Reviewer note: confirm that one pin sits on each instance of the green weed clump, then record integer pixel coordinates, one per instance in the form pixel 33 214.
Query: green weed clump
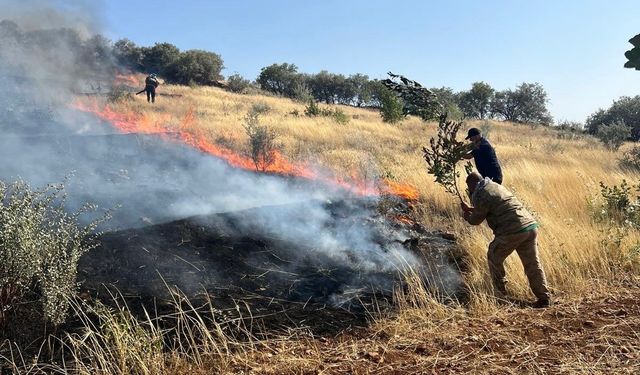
pixel 40 245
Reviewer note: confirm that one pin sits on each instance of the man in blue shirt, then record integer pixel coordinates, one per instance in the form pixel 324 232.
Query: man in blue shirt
pixel 484 156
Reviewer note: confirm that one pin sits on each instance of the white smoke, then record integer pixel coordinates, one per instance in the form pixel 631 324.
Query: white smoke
pixel 43 65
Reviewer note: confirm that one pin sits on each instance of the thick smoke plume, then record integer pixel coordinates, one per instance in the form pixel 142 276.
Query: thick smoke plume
pixel 49 56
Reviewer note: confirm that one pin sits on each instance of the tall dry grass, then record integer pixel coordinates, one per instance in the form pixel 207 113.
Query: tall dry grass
pixel 556 178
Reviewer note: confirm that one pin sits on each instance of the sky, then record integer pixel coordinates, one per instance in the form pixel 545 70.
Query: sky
pixel 574 48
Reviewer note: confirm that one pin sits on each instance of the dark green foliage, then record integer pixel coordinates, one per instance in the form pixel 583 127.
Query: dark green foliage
pixel 633 55
pixel 195 66
pixel 476 103
pixel 444 153
pixel 526 104
pixel 626 110
pixel 362 89
pixel 236 83
pixel 613 135
pixel 416 100
pixel 280 79
pixel 128 54
pixel 313 110
pixel 159 58
pixel 631 160
pixel 326 86
pixel 391 108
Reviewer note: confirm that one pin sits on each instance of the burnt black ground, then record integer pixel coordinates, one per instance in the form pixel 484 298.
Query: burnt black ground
pixel 281 282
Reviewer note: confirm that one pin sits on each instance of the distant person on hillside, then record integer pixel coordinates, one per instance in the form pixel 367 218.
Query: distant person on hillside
pixel 514 228
pixel 150 84
pixel 484 155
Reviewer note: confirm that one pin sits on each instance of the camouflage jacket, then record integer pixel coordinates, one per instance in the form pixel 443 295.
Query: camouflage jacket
pixel 503 211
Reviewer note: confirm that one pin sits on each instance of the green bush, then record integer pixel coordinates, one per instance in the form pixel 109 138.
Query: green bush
pixel 630 160
pixel 262 141
pixel 238 84
pixel 312 109
pixel 391 108
pixel 40 245
pixel 613 135
pixel 618 205
pixel 340 117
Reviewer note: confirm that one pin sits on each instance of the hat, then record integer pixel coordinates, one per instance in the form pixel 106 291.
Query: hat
pixel 473 132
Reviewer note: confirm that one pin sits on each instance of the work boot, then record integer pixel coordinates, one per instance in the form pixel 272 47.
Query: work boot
pixel 542 304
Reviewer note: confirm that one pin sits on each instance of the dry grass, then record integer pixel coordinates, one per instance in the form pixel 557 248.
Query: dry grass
pixel 556 178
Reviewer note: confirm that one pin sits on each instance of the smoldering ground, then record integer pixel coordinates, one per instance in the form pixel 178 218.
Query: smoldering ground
pixel 149 180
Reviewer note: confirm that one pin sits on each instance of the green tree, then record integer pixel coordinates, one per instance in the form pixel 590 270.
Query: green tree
pixel 237 83
pixel 625 110
pixel 128 54
pixel 476 103
pixel 633 55
pixel 448 99
pixel 159 58
pixel 416 99
pixel 362 89
pixel 613 135
pixel 526 104
pixel 195 66
pixel 280 79
pixel 391 108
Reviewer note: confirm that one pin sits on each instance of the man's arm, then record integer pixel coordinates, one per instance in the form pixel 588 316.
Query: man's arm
pixel 473 215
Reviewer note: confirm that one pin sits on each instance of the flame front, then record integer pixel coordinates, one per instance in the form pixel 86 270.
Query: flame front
pixel 132 122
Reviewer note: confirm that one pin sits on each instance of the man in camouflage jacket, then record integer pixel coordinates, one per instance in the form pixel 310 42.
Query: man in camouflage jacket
pixel 514 228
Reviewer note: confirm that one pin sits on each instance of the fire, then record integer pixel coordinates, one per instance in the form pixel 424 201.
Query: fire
pixel 187 133
pixel 126 79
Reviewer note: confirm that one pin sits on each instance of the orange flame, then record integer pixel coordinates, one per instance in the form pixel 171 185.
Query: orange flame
pixel 132 122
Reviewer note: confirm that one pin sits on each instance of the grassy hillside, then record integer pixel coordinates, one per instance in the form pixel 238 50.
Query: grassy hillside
pixel 557 178
pixel 594 326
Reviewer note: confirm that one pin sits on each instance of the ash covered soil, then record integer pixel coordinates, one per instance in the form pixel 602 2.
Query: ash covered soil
pixel 246 267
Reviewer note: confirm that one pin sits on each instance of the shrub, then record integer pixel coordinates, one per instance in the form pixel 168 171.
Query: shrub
pixel 340 117
pixel 262 141
pixel 260 108
pixel 312 109
pixel 630 160
pixel 391 108
pixel 40 245
pixel 301 92
pixel 618 205
pixel 614 135
pixel 236 83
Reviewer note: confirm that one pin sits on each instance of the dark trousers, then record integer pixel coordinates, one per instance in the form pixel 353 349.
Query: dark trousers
pixel 151 94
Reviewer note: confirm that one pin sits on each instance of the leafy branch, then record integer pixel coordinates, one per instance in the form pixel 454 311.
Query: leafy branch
pixel 444 153
pixel 418 101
